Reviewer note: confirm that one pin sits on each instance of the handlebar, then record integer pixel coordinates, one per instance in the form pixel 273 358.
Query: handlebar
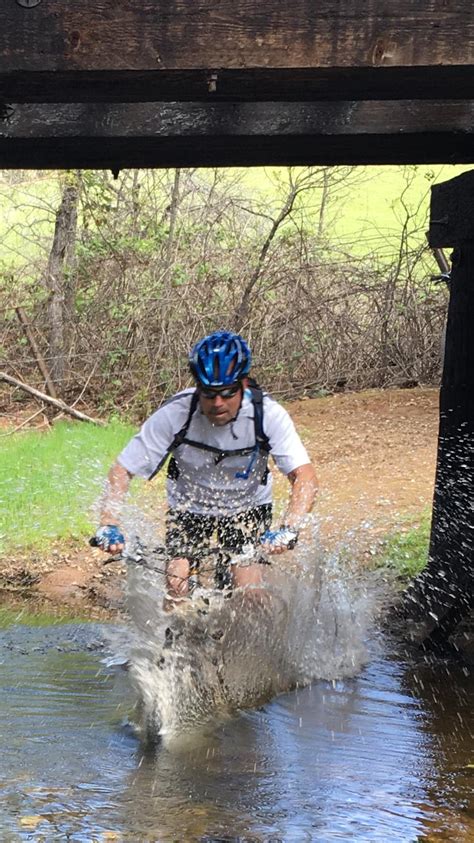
pixel 138 551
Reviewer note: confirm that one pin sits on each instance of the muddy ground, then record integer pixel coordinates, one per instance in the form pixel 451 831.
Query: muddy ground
pixel 375 456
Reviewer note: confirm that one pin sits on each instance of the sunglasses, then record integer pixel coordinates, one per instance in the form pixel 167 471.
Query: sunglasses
pixel 227 392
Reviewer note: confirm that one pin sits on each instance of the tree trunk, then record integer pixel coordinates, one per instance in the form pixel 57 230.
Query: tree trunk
pixel 60 278
pixel 170 247
pixel 323 205
pixel 166 310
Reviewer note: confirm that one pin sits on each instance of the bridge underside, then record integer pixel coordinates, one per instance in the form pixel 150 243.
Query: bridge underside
pixel 161 83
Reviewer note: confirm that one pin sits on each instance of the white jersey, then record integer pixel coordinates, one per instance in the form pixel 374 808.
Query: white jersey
pixel 205 485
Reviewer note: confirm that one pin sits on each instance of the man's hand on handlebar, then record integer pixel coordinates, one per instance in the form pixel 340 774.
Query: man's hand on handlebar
pixel 279 541
pixel 109 538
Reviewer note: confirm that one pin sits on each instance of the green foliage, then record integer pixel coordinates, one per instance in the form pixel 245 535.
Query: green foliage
pixel 180 275
pixel 92 247
pixel 50 480
pixel 407 552
pixel 142 404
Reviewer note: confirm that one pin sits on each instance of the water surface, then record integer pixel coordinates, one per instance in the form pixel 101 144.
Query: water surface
pixel 387 755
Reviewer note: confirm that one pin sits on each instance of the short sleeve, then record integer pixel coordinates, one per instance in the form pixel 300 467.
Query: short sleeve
pixel 287 448
pixel 150 445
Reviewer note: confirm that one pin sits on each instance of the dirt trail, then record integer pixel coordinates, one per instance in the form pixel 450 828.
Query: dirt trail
pixel 375 455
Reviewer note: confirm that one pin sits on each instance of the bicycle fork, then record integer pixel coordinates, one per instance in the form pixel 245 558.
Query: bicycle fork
pixel 193 576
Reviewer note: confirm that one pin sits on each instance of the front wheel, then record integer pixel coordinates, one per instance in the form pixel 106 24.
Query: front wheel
pixel 223 575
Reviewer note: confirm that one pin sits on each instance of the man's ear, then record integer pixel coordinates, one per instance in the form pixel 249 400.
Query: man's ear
pixel 245 383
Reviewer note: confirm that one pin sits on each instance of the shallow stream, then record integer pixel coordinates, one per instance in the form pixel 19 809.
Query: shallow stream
pixel 387 755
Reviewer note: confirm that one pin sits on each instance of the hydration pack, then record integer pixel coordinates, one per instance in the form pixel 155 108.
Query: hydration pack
pixel 262 442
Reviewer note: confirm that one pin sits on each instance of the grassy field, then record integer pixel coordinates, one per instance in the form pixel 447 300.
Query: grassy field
pixel 51 480
pixel 365 217
pixel 28 203
pixel 21 615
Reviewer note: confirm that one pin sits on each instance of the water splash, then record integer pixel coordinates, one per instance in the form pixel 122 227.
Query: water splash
pixel 212 657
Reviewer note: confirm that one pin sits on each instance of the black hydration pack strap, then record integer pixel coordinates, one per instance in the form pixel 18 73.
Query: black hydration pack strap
pixel 261 437
pixel 179 437
pixel 262 442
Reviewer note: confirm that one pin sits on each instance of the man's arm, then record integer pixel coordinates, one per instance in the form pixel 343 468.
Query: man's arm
pixel 304 487
pixel 288 451
pixel 118 482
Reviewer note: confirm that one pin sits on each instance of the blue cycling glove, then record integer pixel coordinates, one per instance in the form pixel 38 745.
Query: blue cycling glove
pixel 107 535
pixel 285 537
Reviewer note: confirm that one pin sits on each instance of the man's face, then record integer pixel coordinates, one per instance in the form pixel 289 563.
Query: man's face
pixel 220 406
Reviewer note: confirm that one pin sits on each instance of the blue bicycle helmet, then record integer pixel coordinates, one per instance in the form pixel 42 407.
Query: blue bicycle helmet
pixel 220 359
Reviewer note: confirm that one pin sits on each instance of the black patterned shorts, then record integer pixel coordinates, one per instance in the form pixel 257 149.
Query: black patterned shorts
pixel 188 530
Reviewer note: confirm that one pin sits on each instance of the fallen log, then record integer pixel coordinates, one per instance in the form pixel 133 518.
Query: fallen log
pixel 48 399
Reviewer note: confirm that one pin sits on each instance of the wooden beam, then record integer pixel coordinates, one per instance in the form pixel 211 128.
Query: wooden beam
pixel 443 594
pixel 242 85
pixel 452 212
pixel 210 34
pixel 220 50
pixel 116 136
pixel 152 120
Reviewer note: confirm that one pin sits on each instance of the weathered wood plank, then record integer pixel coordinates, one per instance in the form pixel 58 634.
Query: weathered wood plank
pixel 121 153
pixel 249 85
pixel 189 34
pixel 197 134
pixel 153 120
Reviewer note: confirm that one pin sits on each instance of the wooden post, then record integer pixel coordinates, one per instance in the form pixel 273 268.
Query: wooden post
pixel 442 595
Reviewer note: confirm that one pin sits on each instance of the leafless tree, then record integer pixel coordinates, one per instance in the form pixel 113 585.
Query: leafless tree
pixel 137 268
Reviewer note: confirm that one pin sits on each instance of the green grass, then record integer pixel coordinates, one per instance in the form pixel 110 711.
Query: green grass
pixel 28 202
pixel 366 217
pixel 49 481
pixel 11 616
pixel 407 552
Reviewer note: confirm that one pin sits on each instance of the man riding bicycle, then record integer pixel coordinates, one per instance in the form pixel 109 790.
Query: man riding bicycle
pixel 218 436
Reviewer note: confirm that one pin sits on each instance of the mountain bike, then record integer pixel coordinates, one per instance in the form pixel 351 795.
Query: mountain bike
pixel 210 568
